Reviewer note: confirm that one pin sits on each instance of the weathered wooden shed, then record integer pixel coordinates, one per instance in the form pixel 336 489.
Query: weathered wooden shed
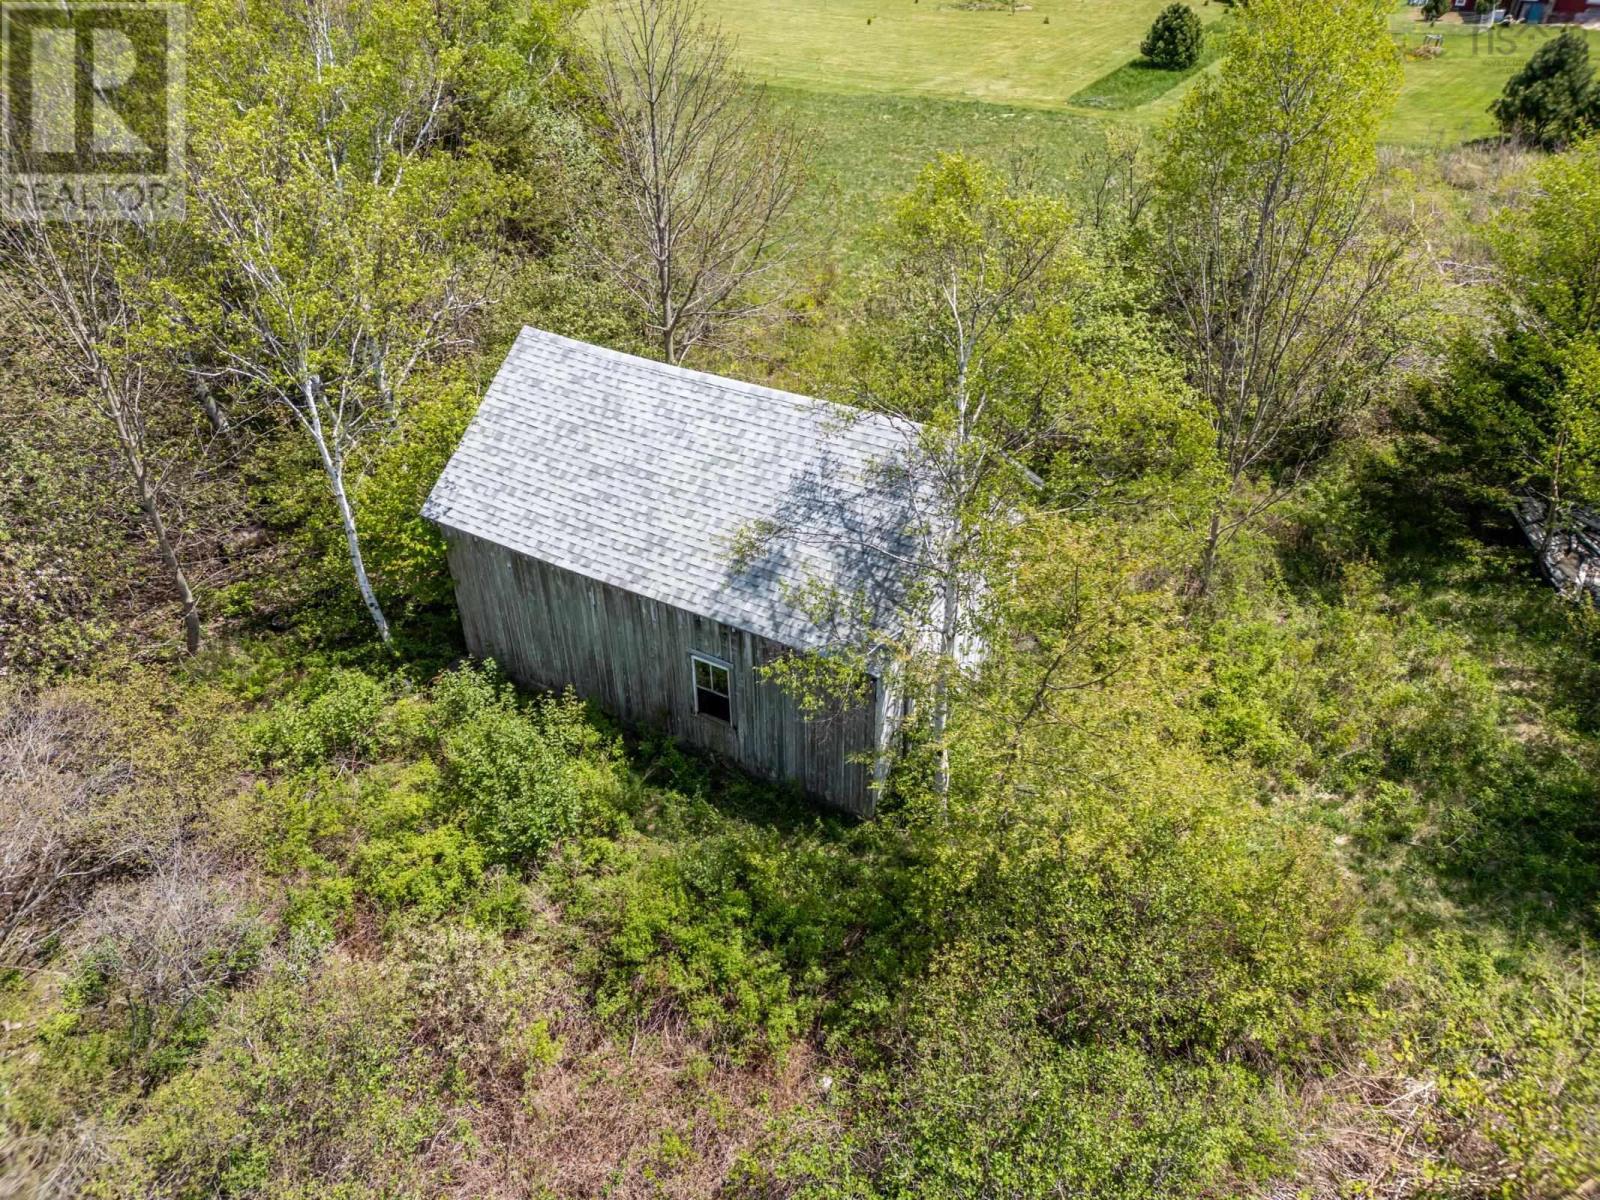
pixel 592 512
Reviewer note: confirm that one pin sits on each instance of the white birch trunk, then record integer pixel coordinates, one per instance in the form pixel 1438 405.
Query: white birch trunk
pixel 333 467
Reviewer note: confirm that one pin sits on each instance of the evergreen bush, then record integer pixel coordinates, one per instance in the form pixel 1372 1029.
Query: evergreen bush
pixel 1173 43
pixel 1553 97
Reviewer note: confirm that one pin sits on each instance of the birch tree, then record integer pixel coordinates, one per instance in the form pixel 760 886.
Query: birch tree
pixel 347 248
pixel 962 349
pixel 703 177
pixel 978 274
pixel 1029 400
pixel 78 288
pixel 1273 265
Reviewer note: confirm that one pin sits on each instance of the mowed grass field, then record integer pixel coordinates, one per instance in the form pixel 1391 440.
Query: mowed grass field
pixel 884 85
pixel 1444 101
pixel 1038 56
pixel 867 148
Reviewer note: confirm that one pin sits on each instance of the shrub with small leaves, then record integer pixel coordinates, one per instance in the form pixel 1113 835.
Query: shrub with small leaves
pixel 524 774
pixel 1173 42
pixel 427 874
pixel 675 933
pixel 343 717
pixel 309 1087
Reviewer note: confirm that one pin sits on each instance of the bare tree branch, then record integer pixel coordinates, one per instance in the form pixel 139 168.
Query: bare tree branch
pixel 703 179
pixel 75 285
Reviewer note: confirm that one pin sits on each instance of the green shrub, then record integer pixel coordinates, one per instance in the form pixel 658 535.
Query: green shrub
pixel 425 873
pixel 523 774
pixel 318 906
pixel 341 717
pixel 292 825
pixel 1174 40
pixel 749 925
pixel 1170 913
pixel 1335 695
pixel 1393 718
pixel 396 797
pixel 311 1089
pixel 985 1106
pixel 1390 813
pixel 664 941
pixel 500 903
pixel 1502 1034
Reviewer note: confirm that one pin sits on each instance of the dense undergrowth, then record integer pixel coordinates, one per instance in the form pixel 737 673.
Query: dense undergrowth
pixel 1310 892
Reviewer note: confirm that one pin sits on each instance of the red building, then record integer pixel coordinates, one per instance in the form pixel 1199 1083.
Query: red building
pixel 1572 10
pixel 1538 11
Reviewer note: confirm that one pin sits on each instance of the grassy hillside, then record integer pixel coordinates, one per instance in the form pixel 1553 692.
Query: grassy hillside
pixel 866 149
pixel 1032 90
pixel 1038 56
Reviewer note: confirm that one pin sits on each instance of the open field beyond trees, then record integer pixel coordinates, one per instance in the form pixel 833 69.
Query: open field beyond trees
pixel 882 82
pixel 1039 55
pixel 1445 100
pixel 1058 54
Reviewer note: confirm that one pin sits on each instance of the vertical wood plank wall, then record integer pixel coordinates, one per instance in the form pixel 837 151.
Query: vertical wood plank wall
pixel 548 628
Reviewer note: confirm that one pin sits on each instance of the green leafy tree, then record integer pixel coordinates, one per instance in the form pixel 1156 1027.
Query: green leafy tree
pixel 1549 251
pixel 1267 249
pixel 1023 393
pixel 961 338
pixel 1553 97
pixel 1434 9
pixel 1174 40
pixel 1549 367
pixel 1515 416
pixel 347 213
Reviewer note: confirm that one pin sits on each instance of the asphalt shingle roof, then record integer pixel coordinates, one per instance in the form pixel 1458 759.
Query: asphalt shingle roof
pixel 642 475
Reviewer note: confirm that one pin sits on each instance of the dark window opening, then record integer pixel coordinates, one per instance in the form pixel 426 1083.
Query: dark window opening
pixel 711 691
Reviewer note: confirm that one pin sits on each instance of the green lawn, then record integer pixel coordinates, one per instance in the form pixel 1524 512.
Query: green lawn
pixel 1033 88
pixel 1445 100
pixel 1038 56
pixel 1075 55
pixel 1137 83
pixel 868 148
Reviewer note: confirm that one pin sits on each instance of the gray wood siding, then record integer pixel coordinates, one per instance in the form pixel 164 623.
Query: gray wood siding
pixel 548 628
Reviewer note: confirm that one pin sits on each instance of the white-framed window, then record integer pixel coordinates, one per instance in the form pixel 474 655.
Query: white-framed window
pixel 713 692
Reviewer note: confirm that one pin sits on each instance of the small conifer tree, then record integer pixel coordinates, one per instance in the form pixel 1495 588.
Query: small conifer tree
pixel 1553 97
pixel 1173 42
